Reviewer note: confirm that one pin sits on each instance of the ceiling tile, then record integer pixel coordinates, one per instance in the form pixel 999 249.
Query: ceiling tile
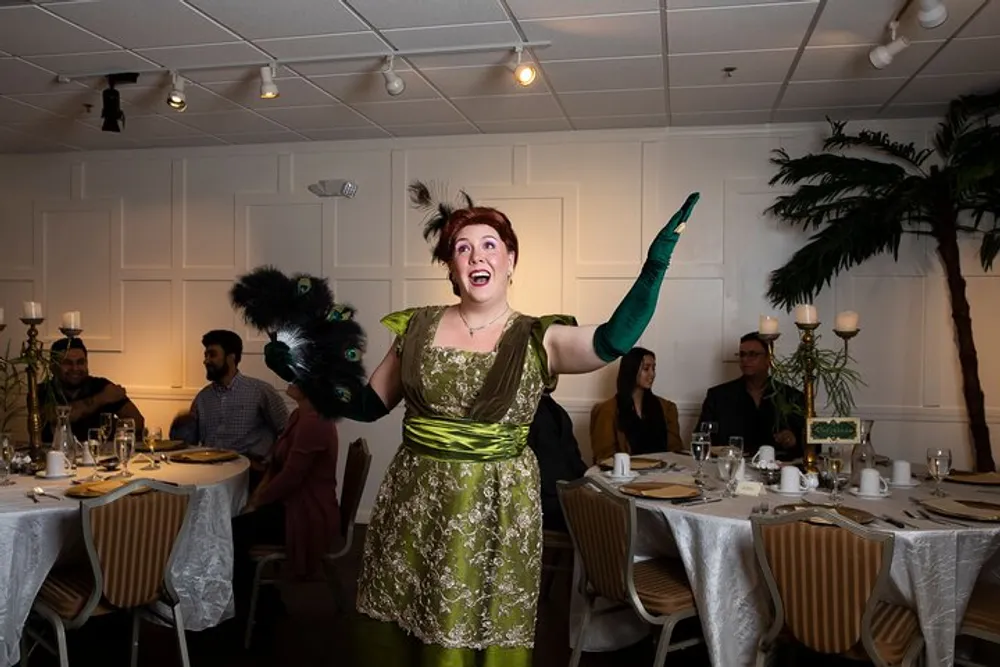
pixel 851 62
pixel 262 19
pixel 501 107
pixel 704 4
pixel 85 63
pixel 315 118
pixel 357 66
pixel 706 69
pixel 820 114
pixel 452 36
pixel 370 87
pixel 738 28
pixel 153 99
pixel 524 125
pixel 431 129
pixel 533 9
pixel 943 89
pixel 181 142
pixel 31 31
pixel 147 127
pixel 719 118
pixel 346 133
pixel 617 122
pixel 986 23
pixel 480 81
pixel 179 57
pixel 141 24
pixel 16 142
pixel 410 112
pixel 596 37
pixel 263 138
pixel 614 103
pixel 233 122
pixel 863 22
pixel 323 46
pixel 385 14
pixel 12 111
pixel 866 92
pixel 79 135
pixel 292 93
pixel 751 96
pixel 914 111
pixel 605 74
pixel 965 56
pixel 17 76
pixel 69 103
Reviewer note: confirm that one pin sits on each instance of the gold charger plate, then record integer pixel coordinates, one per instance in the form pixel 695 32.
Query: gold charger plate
pixel 98 489
pixel 161 446
pixel 976 510
pixel 637 463
pixel 977 478
pixel 205 456
pixel 660 490
pixel 854 514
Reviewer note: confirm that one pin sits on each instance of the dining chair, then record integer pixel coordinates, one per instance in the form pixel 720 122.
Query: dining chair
pixel 603 529
pixel 359 460
pixel 131 536
pixel 982 618
pixel 828 579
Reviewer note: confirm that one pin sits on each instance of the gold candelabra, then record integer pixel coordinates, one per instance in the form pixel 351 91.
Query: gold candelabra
pixel 32 353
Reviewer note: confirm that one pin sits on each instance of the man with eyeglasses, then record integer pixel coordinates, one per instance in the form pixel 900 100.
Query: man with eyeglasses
pixel 749 405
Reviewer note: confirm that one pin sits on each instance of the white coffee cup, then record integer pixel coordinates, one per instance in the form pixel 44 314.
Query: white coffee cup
pixel 793 481
pixel 623 465
pixel 901 474
pixel 872 483
pixel 764 455
pixel 56 464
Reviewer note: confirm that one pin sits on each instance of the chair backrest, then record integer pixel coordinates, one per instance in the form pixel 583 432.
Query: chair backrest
pixel 359 460
pixel 823 578
pixel 130 536
pixel 601 525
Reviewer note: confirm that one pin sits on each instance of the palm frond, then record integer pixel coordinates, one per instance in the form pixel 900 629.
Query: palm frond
pixel 962 112
pixel 850 173
pixel 989 248
pixel 877 141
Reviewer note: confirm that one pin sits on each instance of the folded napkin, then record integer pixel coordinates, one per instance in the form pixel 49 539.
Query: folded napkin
pixel 745 488
pixel 957 507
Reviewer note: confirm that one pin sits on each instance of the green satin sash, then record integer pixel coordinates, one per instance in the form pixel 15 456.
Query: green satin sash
pixel 462 439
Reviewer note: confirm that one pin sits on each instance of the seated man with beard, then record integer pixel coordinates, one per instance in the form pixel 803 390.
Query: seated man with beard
pixel 235 411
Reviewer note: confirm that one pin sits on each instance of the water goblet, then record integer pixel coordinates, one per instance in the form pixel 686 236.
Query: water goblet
pixel 93 445
pixel 833 464
pixel 701 447
pixel 6 459
pixel 729 461
pixel 737 442
pixel 711 428
pixel 124 443
pixel 938 465
pixel 153 436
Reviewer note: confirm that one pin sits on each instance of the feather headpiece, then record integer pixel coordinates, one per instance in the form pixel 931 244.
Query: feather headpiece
pixel 315 342
pixel 432 200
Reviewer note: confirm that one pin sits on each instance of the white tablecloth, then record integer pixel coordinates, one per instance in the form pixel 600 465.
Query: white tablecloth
pixel 933 571
pixel 32 536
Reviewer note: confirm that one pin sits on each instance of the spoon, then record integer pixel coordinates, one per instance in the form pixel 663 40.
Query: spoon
pixel 39 491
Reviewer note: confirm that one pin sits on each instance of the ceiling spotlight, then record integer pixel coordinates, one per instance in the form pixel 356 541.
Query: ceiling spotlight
pixel 932 13
pixel 268 88
pixel 524 73
pixel 394 85
pixel 176 99
pixel 882 55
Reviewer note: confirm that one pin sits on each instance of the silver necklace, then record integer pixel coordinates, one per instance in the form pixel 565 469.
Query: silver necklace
pixel 472 329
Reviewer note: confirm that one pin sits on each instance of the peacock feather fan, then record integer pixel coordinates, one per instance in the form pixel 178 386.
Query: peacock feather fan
pixel 433 200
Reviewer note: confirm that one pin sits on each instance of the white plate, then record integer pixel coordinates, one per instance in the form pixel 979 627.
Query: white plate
pixel 621 478
pixel 44 475
pixel 912 485
pixel 854 491
pixel 791 494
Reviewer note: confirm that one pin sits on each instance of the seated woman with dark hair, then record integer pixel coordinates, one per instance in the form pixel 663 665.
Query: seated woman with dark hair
pixel 635 420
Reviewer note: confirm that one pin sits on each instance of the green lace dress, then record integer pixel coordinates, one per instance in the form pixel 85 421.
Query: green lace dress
pixel 452 558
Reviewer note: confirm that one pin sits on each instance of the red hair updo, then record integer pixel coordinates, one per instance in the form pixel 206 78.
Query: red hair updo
pixel 474 215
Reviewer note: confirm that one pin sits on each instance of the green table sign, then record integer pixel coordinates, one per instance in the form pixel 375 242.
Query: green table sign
pixel 836 430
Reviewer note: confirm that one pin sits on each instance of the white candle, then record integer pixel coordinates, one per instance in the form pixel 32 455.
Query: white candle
pixel 806 314
pixel 71 320
pixel 847 321
pixel 768 325
pixel 1 316
pixel 32 310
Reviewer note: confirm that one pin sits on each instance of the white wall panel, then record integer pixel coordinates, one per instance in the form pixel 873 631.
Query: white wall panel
pixel 206 307
pixel 144 360
pixel 287 236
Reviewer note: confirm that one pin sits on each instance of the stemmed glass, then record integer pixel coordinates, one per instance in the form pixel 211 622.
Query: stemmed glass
pixel 737 442
pixel 124 443
pixel 938 465
pixel 6 459
pixel 833 463
pixel 153 436
pixel 711 428
pixel 729 461
pixel 93 445
pixel 701 447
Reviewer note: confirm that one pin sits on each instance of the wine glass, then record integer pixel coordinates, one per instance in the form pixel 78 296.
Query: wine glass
pixel 833 464
pixel 711 428
pixel 107 426
pixel 93 445
pixel 938 465
pixel 153 436
pixel 6 459
pixel 737 442
pixel 701 447
pixel 124 443
pixel 729 461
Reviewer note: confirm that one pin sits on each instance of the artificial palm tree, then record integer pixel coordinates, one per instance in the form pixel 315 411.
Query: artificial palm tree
pixel 862 206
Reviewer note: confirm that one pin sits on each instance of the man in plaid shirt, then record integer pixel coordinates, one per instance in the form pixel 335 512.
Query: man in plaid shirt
pixel 235 411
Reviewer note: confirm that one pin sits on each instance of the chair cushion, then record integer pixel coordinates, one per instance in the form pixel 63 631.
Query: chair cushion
pixel 894 629
pixel 662 585
pixel 983 612
pixel 66 592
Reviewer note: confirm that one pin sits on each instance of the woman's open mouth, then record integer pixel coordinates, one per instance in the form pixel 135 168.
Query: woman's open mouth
pixel 479 278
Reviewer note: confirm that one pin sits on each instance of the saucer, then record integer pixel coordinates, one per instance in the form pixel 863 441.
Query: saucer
pixel 44 475
pixel 620 478
pixel 912 485
pixel 854 491
pixel 798 493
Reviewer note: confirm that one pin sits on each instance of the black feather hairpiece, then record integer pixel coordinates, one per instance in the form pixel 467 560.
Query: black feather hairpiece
pixel 433 200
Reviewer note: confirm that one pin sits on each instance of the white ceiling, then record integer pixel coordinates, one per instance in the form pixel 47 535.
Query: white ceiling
pixel 611 64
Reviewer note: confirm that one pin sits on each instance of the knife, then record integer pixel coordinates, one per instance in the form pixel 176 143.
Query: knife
pixel 888 519
pixel 689 503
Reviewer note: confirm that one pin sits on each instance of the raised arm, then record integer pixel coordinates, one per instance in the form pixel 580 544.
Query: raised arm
pixel 585 349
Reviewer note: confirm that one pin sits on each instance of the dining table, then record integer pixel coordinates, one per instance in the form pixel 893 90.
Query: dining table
pixel 937 559
pixel 38 530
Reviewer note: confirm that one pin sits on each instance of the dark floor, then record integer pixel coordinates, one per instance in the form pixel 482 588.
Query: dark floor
pixel 312 632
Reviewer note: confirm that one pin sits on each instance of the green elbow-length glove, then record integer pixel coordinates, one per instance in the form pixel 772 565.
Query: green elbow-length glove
pixel 619 334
